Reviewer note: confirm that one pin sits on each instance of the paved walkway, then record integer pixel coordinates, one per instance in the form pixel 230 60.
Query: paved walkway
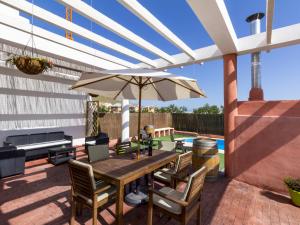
pixel 41 196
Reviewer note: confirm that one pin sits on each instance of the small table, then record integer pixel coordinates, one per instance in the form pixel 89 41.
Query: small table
pixel 61 154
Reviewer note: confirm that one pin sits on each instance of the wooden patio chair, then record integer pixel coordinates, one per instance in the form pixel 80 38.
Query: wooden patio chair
pixel 169 176
pixel 178 143
pixel 167 146
pixel 86 192
pixel 97 152
pixel 125 147
pixel 180 206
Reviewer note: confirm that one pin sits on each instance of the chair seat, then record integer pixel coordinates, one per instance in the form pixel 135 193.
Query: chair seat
pixel 164 174
pixel 161 176
pixel 108 190
pixel 167 204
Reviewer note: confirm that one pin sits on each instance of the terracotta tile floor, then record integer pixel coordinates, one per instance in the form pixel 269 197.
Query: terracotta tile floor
pixel 41 196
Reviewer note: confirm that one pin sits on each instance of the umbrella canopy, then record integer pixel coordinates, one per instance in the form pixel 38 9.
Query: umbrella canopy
pixel 125 84
pixel 138 84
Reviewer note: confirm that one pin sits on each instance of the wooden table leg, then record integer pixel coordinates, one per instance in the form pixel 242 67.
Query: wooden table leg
pixel 119 204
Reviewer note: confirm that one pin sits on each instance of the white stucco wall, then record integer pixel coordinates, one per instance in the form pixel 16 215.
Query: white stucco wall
pixel 32 105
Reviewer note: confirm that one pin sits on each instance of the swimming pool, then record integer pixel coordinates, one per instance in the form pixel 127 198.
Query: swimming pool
pixel 220 142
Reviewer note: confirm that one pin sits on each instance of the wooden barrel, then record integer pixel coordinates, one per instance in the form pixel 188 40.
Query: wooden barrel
pixel 205 153
pixel 204 147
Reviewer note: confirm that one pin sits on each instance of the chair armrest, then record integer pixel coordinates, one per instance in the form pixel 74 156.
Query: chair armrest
pixel 68 137
pixel 177 178
pixel 6 154
pixel 167 172
pixel 101 189
pixel 168 197
pixel 5 144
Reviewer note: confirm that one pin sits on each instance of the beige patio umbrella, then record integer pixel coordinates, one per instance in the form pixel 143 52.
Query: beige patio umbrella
pixel 138 84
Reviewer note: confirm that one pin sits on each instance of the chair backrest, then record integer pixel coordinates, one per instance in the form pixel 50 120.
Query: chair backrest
pixel 183 161
pixel 97 152
pixel 82 178
pixel 195 185
pixel 124 147
pixel 144 135
pixel 167 145
pixel 172 137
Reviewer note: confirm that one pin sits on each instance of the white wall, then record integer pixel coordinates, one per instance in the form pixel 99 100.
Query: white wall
pixel 30 104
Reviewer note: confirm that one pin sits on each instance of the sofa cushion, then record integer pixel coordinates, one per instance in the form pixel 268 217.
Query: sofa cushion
pixel 44 144
pixel 7 148
pixel 37 138
pixel 54 136
pixel 18 139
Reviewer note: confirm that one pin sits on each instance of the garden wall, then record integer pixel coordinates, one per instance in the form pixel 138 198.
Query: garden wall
pixel 267 140
pixel 206 124
pixel 199 123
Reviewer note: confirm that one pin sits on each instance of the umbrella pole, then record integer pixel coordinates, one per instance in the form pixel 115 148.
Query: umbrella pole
pixel 139 121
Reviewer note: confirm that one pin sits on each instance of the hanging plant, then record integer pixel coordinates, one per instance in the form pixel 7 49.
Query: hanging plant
pixel 30 65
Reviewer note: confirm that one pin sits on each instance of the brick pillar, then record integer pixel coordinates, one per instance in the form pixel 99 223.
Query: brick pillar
pixel 230 108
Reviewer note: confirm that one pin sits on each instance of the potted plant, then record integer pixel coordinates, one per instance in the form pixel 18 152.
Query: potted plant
pixel 294 189
pixel 30 65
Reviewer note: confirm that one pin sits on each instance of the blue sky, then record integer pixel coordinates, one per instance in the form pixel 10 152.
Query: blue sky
pixel 280 67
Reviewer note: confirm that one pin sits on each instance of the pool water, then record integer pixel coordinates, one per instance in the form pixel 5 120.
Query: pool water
pixel 220 142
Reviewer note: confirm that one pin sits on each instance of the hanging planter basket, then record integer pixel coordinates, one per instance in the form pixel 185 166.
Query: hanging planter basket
pixel 30 65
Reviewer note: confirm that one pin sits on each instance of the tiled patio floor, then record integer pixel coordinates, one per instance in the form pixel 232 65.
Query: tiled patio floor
pixel 41 196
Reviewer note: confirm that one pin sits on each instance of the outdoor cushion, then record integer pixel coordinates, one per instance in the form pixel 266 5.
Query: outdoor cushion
pixel 43 145
pixel 167 146
pixel 90 142
pixel 18 139
pixel 102 195
pixel 53 136
pixel 37 138
pixel 8 148
pixel 167 204
pixel 160 175
pixel 97 152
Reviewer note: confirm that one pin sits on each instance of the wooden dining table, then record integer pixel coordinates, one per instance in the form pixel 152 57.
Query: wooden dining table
pixel 122 169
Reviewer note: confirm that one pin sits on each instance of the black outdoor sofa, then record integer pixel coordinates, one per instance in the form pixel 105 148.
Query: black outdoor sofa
pixel 12 161
pixel 37 145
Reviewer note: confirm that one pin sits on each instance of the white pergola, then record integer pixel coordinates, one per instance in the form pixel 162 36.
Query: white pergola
pixel 212 14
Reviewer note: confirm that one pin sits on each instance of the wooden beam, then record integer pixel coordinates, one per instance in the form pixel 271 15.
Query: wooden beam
pixel 145 15
pixel 18 38
pixel 49 17
pixel 215 19
pixel 94 15
pixel 281 37
pixel 269 20
pixel 99 56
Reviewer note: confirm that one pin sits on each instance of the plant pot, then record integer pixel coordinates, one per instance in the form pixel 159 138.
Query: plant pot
pixel 295 196
pixel 29 65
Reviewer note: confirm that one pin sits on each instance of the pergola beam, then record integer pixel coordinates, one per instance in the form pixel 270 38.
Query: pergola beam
pixel 281 37
pixel 49 17
pixel 47 35
pixel 145 15
pixel 269 22
pixel 19 38
pixel 215 19
pixel 104 21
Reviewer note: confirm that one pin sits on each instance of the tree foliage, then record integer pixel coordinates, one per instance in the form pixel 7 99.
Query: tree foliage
pixel 103 109
pixel 209 109
pixel 172 109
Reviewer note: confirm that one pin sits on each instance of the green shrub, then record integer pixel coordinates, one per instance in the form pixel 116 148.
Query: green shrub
pixel 292 183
